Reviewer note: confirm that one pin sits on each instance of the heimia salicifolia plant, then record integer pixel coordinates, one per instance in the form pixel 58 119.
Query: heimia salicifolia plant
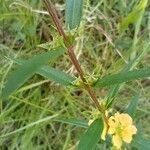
pixel 103 125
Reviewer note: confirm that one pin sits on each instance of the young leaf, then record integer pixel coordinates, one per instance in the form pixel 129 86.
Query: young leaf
pixel 91 137
pixel 131 109
pixel 122 77
pixel 27 70
pixel 56 75
pixel 73 13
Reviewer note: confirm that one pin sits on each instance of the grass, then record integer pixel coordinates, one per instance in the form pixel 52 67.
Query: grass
pixel 32 118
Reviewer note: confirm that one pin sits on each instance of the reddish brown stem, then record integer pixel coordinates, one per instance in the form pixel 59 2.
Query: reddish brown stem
pixel 75 62
pixel 55 18
pixel 72 56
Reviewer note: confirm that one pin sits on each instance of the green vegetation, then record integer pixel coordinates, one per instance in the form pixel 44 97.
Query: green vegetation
pixel 46 99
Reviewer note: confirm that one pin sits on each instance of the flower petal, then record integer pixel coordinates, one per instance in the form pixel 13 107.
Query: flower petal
pixel 127 138
pixel 112 125
pixel 125 119
pixel 122 129
pixel 128 132
pixel 133 129
pixel 117 142
pixel 104 132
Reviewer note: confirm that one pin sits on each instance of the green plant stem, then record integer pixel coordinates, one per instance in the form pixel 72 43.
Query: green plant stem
pixel 73 58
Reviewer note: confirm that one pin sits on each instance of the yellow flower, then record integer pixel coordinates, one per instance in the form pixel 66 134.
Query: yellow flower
pixel 121 128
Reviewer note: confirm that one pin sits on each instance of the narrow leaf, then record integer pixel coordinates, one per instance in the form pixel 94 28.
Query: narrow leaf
pixel 51 73
pixel 131 109
pixel 122 77
pixel 27 70
pixel 114 90
pixel 73 13
pixel 91 137
pixel 56 75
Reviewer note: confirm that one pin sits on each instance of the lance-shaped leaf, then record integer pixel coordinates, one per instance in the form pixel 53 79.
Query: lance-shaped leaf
pixel 73 13
pixel 56 75
pixel 122 77
pixel 91 137
pixel 27 70
pixel 114 89
pixel 51 73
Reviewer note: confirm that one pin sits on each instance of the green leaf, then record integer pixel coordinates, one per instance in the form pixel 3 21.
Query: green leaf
pixel 114 90
pixel 91 137
pixel 135 15
pixel 122 77
pixel 140 143
pixel 73 121
pixel 73 13
pixel 56 75
pixel 51 73
pixel 27 70
pixel 131 109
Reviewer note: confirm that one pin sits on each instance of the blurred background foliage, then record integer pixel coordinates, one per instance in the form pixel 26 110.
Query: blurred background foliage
pixel 101 49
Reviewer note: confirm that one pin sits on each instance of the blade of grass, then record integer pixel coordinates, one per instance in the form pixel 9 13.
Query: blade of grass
pixel 30 125
pixel 135 15
pixel 73 121
pixel 31 86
